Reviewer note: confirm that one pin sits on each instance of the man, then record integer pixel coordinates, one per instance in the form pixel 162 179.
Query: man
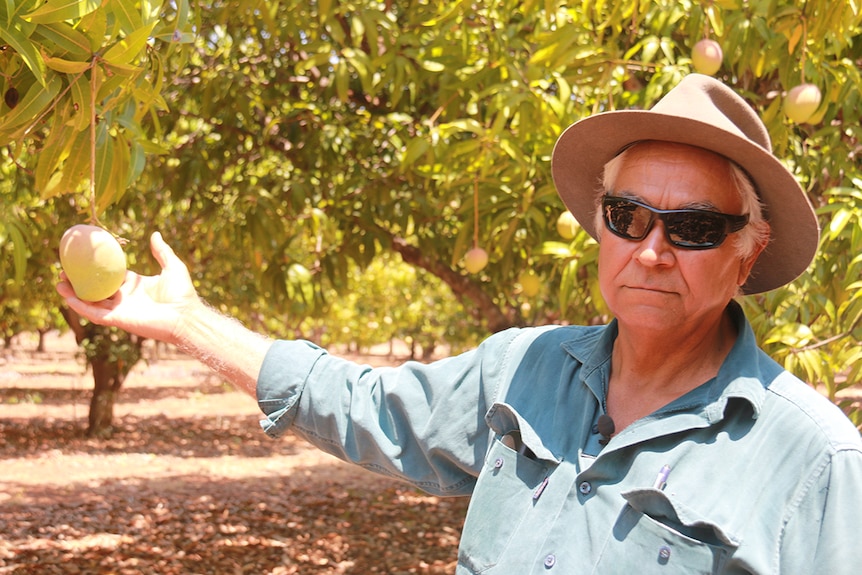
pixel 664 442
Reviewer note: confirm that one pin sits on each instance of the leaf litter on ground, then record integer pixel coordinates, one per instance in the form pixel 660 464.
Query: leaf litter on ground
pixel 188 484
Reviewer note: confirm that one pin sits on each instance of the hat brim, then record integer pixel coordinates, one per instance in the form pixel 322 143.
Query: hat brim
pixel 586 146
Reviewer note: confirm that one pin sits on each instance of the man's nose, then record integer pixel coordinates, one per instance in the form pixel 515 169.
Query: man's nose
pixel 655 249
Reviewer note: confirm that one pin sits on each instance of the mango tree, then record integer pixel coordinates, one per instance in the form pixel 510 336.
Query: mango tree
pixel 349 129
pixel 82 82
pixel 309 137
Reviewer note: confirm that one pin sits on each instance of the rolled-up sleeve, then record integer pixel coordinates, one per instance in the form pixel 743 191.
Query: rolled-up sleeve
pixel 282 378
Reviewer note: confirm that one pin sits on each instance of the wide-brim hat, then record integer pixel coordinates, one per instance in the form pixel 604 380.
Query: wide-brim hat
pixel 700 111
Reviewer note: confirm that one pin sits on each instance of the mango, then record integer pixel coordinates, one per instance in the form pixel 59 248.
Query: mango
pixel 475 260
pixel 567 225
pixel 93 261
pixel 530 283
pixel 801 102
pixel 706 57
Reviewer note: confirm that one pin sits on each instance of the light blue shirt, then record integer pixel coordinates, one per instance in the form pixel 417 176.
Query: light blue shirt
pixel 765 473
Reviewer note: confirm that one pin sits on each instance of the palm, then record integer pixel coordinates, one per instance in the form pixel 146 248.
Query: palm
pixel 149 306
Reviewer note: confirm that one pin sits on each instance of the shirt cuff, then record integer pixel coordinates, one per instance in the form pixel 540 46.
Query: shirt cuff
pixel 281 380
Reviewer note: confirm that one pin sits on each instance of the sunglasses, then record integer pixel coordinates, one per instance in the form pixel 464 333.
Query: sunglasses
pixel 690 229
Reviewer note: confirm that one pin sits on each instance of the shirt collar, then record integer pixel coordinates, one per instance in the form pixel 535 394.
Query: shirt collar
pixel 744 374
pixel 746 371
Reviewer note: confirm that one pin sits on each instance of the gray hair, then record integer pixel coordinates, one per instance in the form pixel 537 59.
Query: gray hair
pixel 756 233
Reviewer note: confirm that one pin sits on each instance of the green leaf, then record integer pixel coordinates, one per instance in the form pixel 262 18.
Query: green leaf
pixel 359 61
pixel 65 39
pixel 54 148
pixel 415 149
pixel 342 81
pixel 793 335
pixel 553 46
pixel 66 66
pixel 112 171
pixel 183 10
pixel 137 162
pixel 62 10
pixel 14 35
pixel 125 51
pixel 838 223
pixel 12 229
pixel 464 125
pixel 557 250
pixel 7 9
pixel 75 168
pixel 29 109
pixel 127 16
pixel 81 92
pixel 432 66
pixel 94 26
pixel 103 168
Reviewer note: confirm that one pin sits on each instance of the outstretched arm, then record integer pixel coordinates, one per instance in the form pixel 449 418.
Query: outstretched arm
pixel 167 308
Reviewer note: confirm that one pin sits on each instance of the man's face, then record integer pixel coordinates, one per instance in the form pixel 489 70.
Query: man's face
pixel 650 282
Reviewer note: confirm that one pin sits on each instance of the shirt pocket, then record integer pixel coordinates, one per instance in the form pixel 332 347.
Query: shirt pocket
pixel 654 531
pixel 513 477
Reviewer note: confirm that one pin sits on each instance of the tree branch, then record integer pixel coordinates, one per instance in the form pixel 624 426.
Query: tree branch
pixel 463 287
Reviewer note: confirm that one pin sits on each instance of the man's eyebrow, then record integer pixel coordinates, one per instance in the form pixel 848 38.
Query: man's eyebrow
pixel 627 194
pixel 696 205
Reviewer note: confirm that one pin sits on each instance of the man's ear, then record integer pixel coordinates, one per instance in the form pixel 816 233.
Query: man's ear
pixel 748 263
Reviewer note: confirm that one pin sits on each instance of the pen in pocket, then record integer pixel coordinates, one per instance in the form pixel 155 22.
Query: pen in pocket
pixel 661 479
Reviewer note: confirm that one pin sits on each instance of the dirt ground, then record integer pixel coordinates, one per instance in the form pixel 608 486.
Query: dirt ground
pixel 189 484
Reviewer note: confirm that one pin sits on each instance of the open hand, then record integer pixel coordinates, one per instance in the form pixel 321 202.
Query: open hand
pixel 148 306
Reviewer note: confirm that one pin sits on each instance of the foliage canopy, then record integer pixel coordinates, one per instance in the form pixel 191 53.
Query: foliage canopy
pixel 279 144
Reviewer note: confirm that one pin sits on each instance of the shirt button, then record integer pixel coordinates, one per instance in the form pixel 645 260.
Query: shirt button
pixel 585 488
pixel 498 463
pixel 663 554
pixel 550 560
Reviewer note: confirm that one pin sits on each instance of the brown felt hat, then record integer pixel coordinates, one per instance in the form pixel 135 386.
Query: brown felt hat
pixel 699 111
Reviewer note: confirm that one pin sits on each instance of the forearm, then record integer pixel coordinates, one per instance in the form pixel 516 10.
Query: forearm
pixel 224 345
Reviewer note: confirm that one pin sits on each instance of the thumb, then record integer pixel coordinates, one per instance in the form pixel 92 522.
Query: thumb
pixel 162 251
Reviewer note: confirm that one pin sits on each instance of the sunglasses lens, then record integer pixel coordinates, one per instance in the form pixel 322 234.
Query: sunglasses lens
pixel 695 230
pixel 691 229
pixel 627 220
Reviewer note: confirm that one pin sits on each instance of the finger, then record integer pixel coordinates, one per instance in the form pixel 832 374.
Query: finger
pixel 96 312
pixel 162 251
pixel 129 283
pixel 64 288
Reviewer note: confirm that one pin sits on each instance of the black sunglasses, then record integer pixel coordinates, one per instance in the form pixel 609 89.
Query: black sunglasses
pixel 690 229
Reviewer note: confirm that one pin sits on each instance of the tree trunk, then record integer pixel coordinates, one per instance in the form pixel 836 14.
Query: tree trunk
pixel 108 377
pixel 112 354
pixel 40 348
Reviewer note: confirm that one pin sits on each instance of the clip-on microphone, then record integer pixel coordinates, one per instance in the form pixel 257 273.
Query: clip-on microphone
pixel 606 428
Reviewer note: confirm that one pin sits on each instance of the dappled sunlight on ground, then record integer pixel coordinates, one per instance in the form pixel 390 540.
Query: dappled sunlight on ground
pixel 189 484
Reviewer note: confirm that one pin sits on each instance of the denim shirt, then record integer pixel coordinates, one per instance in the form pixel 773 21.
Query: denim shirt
pixel 765 474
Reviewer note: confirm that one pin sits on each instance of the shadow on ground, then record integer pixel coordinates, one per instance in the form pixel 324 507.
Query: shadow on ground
pixel 213 436
pixel 195 525
pixel 153 505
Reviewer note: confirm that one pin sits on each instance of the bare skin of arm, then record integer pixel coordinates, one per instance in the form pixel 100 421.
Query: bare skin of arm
pixel 167 308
